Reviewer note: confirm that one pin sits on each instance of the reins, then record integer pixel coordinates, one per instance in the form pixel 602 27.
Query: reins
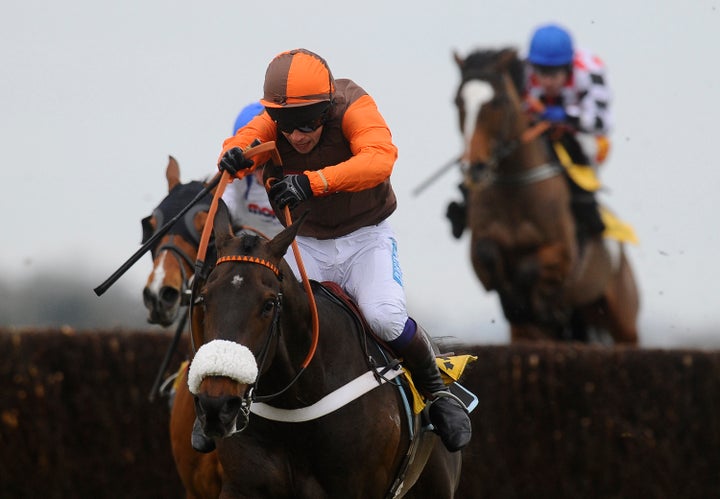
pixel 267 147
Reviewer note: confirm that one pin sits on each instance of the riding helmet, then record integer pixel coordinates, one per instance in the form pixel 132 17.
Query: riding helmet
pixel 551 45
pixel 246 114
pixel 297 78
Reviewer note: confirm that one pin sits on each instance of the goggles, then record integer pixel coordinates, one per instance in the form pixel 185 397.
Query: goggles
pixel 307 127
pixel 548 70
pixel 305 120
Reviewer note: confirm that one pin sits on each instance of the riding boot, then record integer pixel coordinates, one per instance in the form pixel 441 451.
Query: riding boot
pixel 200 441
pixel 448 414
pixel 586 212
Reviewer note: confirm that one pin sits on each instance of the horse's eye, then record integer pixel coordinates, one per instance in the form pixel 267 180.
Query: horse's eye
pixel 268 307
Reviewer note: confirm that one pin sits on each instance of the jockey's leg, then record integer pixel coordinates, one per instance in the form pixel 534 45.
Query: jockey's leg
pixel 448 414
pixel 374 280
pixel 586 212
pixel 584 205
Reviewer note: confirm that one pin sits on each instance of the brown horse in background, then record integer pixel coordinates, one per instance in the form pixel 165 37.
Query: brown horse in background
pixel 174 254
pixel 173 267
pixel 263 371
pixel 523 243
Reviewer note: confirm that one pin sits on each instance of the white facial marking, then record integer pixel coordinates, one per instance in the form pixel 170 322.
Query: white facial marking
pixel 474 94
pixel 237 281
pixel 158 275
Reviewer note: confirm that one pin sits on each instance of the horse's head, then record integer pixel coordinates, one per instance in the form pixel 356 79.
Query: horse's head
pixel 238 309
pixel 489 104
pixel 174 254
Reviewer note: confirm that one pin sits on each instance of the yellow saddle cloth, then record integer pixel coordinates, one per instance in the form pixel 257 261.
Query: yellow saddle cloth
pixel 451 368
pixel 585 177
pixel 616 228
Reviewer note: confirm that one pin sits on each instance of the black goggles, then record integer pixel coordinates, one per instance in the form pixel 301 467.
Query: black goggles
pixel 549 70
pixel 307 127
pixel 305 120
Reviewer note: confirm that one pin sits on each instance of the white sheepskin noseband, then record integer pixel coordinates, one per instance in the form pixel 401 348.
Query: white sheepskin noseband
pixel 222 358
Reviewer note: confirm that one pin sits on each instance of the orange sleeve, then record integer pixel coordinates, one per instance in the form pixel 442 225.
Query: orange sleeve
pixel 261 127
pixel 374 154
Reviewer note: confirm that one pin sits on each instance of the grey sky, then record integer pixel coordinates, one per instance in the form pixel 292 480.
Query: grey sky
pixel 95 95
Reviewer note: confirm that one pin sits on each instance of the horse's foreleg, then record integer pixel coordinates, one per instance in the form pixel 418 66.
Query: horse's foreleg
pixel 487 262
pixel 623 303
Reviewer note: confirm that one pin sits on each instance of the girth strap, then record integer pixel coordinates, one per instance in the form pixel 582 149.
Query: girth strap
pixel 330 402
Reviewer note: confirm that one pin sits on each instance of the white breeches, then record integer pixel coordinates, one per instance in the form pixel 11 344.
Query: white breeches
pixel 365 264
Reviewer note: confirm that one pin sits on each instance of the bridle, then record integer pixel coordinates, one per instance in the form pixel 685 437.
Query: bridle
pixel 273 335
pixel 186 231
pixel 508 140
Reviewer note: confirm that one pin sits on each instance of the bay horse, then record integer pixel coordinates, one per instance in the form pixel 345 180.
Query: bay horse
pixel 168 282
pixel 174 254
pixel 267 375
pixel 523 235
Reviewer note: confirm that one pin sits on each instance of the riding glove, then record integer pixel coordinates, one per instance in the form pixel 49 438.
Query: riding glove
pixel 554 114
pixel 290 191
pixel 234 161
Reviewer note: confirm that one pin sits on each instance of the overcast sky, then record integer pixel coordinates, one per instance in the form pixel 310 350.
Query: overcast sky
pixel 95 95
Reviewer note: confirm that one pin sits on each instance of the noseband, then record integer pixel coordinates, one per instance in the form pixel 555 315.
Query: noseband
pixel 273 334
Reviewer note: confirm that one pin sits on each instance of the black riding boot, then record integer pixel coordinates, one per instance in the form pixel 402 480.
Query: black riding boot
pixel 200 441
pixel 447 413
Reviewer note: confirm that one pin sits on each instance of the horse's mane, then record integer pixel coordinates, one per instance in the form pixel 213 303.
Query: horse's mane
pixel 482 62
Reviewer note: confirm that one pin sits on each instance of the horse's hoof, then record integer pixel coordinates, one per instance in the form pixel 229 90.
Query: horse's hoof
pixel 201 442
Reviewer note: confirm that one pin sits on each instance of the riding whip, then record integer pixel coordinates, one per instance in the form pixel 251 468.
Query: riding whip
pixel 432 178
pixel 158 234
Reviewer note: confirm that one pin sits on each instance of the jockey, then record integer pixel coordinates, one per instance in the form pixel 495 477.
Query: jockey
pixel 567 87
pixel 337 155
pixel 246 199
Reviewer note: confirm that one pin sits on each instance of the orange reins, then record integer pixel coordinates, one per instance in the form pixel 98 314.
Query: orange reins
pixel 207 230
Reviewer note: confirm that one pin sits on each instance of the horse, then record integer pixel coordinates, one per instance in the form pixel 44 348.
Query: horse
pixel 524 242
pixel 174 254
pixel 169 281
pixel 267 375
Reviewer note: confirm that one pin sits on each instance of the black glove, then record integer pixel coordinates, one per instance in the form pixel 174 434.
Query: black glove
pixel 234 161
pixel 290 191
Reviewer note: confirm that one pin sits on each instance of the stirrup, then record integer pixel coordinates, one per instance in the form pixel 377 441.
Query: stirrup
pixel 448 394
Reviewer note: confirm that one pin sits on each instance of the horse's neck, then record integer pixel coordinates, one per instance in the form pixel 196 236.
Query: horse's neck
pixel 526 156
pixel 336 360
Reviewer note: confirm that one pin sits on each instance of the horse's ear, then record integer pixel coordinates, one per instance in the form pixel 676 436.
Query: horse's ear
pixel 506 57
pixel 281 242
pixel 172 173
pixel 458 59
pixel 221 224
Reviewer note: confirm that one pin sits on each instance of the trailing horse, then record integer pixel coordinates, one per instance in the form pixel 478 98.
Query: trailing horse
pixel 164 294
pixel 524 242
pixel 301 405
pixel 174 254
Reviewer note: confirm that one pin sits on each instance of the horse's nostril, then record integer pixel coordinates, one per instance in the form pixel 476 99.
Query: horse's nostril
pixel 169 295
pixel 148 298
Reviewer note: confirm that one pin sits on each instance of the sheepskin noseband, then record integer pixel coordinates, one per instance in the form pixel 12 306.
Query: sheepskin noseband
pixel 222 358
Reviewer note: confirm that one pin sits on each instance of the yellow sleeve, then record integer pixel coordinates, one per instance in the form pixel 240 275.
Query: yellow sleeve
pixel 374 154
